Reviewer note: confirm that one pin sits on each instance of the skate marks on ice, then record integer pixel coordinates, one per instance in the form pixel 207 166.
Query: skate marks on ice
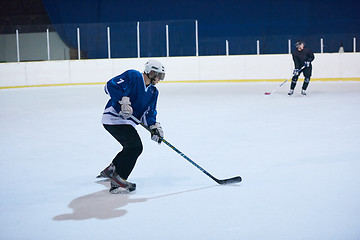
pixel 104 205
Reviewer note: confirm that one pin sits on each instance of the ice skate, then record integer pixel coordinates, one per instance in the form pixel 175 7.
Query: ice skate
pixel 303 92
pixel 120 185
pixel 108 172
pixel 291 92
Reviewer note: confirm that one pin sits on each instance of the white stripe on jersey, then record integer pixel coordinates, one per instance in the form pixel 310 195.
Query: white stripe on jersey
pixel 111 117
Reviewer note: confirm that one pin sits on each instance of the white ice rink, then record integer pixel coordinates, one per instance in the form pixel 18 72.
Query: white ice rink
pixel 299 158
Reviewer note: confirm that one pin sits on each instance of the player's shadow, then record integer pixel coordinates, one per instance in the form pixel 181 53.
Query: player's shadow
pixel 99 205
pixel 104 205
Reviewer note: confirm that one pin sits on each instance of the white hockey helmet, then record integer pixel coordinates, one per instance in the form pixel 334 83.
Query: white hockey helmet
pixel 157 68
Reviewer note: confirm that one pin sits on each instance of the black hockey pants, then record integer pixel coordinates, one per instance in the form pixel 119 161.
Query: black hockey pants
pixel 307 74
pixel 128 137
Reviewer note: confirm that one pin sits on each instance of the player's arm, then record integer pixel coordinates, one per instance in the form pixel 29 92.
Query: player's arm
pixel 296 64
pixel 151 113
pixel 309 59
pixel 157 133
pixel 118 88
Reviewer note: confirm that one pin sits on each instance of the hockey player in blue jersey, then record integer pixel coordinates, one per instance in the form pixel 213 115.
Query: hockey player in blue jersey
pixel 131 93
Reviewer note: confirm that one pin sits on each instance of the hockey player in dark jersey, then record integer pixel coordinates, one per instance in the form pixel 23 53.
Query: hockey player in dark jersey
pixel 131 93
pixel 302 56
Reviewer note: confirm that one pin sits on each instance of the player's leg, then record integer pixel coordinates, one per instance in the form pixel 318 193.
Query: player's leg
pixel 128 137
pixel 307 75
pixel 293 84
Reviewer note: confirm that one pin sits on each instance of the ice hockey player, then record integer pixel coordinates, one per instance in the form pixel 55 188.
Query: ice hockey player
pixel 131 93
pixel 302 56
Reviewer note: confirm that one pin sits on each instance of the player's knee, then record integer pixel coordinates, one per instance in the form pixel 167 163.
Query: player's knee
pixel 134 149
pixel 137 149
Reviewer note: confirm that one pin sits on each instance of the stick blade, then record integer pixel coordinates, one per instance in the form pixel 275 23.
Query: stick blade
pixel 267 93
pixel 230 180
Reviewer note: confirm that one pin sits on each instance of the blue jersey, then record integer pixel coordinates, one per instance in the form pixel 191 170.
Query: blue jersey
pixel 143 99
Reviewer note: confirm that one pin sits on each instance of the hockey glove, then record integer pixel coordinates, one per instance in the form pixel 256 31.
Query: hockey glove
pixel 296 72
pixel 157 133
pixel 126 109
pixel 307 64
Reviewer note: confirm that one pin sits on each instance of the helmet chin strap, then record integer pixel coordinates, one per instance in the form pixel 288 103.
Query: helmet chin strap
pixel 152 81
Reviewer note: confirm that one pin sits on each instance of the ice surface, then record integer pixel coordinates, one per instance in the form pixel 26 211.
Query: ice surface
pixel 298 156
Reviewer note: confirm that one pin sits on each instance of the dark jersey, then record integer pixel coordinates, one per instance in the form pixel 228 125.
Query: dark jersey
pixel 300 57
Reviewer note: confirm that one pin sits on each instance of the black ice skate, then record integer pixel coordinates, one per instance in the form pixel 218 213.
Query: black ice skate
pixel 108 172
pixel 291 92
pixel 120 185
pixel 303 92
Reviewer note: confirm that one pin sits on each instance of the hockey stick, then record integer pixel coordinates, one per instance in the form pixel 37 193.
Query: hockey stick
pixel 222 181
pixel 268 93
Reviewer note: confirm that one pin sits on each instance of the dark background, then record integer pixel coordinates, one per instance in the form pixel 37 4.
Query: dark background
pixel 242 23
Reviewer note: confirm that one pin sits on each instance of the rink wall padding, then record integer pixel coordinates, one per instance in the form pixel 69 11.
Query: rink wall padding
pixel 241 68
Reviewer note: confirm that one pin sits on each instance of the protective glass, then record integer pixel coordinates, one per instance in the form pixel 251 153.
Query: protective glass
pixel 158 75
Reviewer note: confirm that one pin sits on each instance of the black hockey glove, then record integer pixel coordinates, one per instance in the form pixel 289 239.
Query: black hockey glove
pixel 296 72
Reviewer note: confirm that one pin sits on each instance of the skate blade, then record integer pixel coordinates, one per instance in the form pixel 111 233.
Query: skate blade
pixel 120 190
pixel 103 180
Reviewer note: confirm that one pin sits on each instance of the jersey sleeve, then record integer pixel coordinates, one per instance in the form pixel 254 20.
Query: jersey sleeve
pixel 296 60
pixel 310 56
pixel 150 114
pixel 118 87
